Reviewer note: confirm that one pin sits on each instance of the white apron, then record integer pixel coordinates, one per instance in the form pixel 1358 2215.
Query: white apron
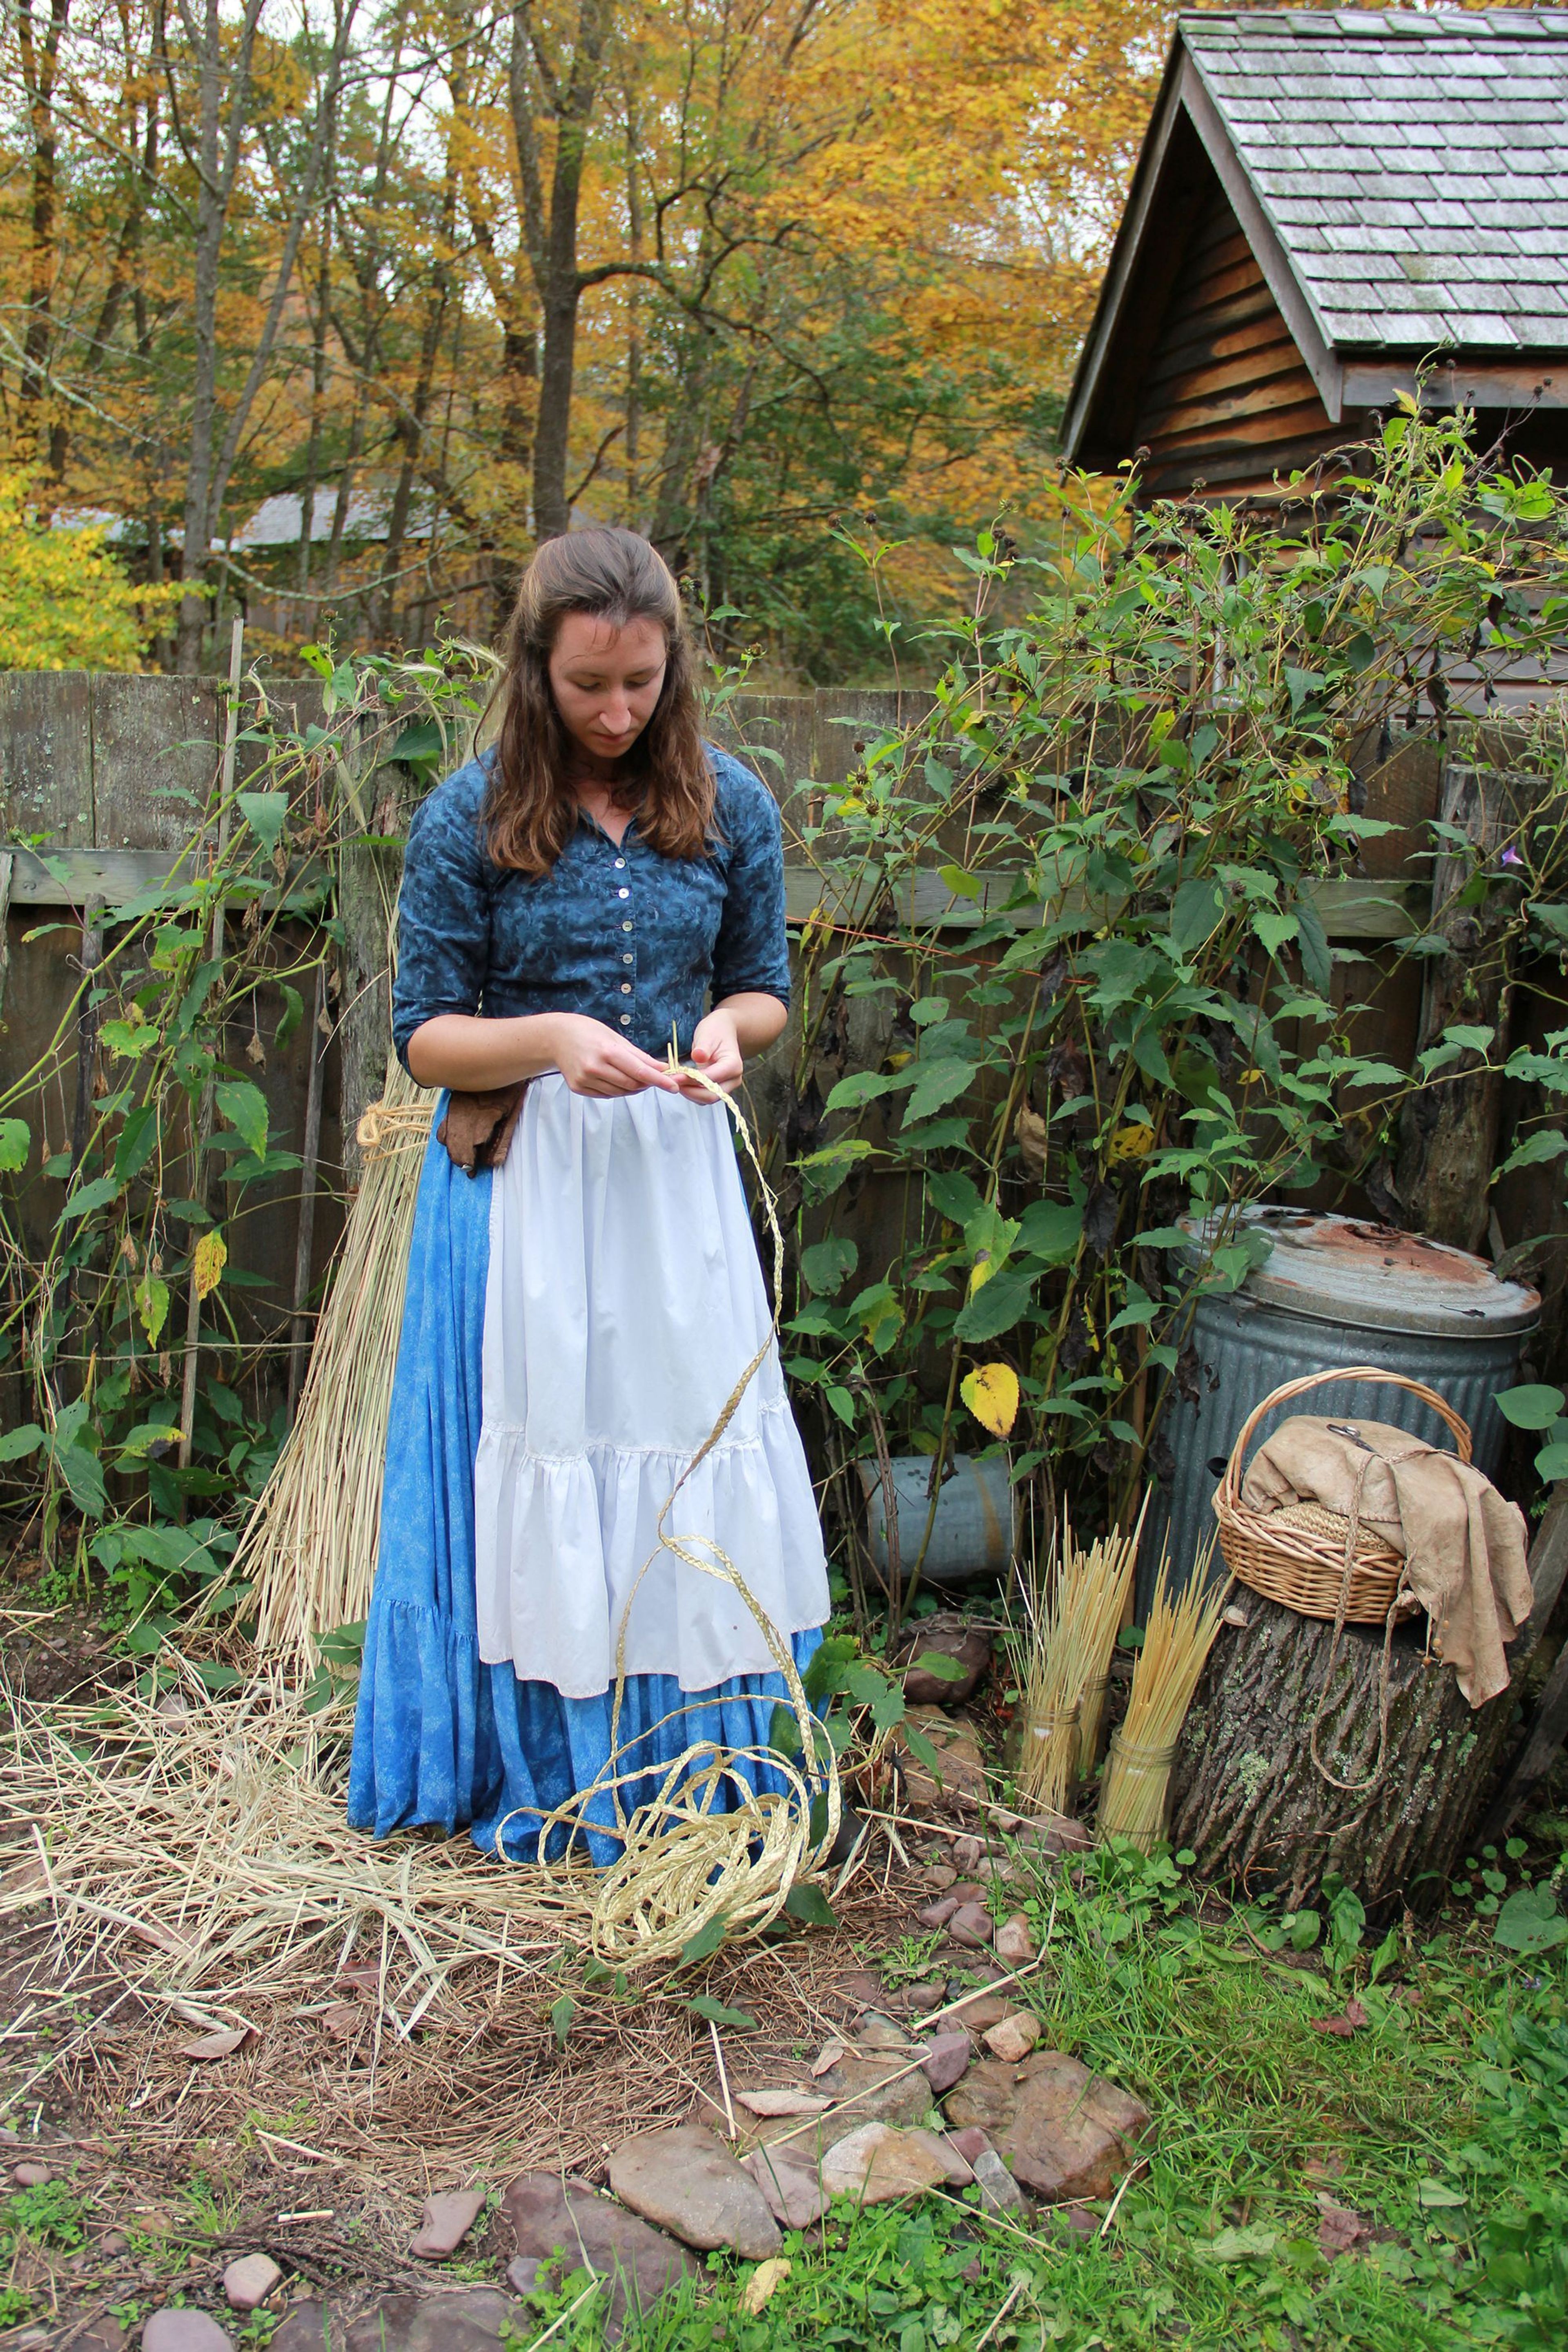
pixel 623 1302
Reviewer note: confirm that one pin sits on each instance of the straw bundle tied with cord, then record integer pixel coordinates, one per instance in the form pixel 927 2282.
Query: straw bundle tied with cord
pixel 1072 1632
pixel 1177 1638
pixel 686 1862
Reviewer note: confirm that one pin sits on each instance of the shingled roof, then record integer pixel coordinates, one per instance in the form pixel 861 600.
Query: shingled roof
pixel 1402 179
pixel 1414 168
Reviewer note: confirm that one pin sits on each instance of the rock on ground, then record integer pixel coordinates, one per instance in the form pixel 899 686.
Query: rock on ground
pixel 303 2330
pixel 588 2231
pixel 958 1749
pixel 447 2218
pixel 683 2180
pixel 998 2190
pixel 472 2319
pixel 880 2162
pixel 249 2281
pixel 1014 1941
pixel 970 1927
pixel 184 2331
pixel 1061 2131
pixel 1014 2037
pixel 874 2089
pixel 946 2060
pixel 946 1637
pixel 788 2178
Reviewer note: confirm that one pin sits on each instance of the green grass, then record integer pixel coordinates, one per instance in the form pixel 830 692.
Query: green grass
pixel 1443 2122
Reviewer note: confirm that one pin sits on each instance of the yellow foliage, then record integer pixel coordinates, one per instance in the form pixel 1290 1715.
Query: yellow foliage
pixel 1131 1142
pixel 207 1262
pixel 991 1392
pixel 65 601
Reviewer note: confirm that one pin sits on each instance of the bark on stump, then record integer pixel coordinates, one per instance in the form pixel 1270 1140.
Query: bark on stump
pixel 1248 1801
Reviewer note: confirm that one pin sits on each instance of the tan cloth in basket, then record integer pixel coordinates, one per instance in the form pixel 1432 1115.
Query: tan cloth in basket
pixel 1464 1544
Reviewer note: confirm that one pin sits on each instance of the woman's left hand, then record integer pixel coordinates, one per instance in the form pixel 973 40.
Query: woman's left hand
pixel 716 1052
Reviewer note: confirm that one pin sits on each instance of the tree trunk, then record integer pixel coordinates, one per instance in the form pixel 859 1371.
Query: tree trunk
pixel 1250 1803
pixel 40 68
pixel 1448 1131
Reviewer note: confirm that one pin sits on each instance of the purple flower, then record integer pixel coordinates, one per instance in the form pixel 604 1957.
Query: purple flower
pixel 1511 857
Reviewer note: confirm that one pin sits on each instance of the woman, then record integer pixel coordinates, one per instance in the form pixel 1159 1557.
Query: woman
pixel 577 1314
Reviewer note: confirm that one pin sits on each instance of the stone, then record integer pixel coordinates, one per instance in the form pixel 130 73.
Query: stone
pixel 940 1875
pixel 522 2274
pixel 971 1927
pixel 249 2281
pixel 967 1855
pixel 470 2319
pixel 112 2242
pixel 938 1914
pixel 1014 1941
pixel 770 2101
pixel 30 2176
pixel 958 1751
pixel 985 2008
pixel 997 2188
pixel 685 2181
pixel 966 1646
pixel 970 2144
pixel 184 2331
pixel 789 2180
pixel 968 1890
pixel 551 2216
pixel 873 2088
pixel 1063 2133
pixel 1014 2038
pixel 305 2330
pixel 447 2218
pixel 946 2061
pixel 878 2162
pixel 923 1997
pixel 875 2031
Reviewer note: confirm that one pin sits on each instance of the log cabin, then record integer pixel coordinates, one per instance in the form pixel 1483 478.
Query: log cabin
pixel 1327 206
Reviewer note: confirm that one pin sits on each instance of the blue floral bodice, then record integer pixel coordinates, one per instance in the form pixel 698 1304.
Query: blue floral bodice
pixel 613 931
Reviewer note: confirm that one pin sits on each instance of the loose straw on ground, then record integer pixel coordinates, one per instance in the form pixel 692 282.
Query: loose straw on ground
pixel 1177 1639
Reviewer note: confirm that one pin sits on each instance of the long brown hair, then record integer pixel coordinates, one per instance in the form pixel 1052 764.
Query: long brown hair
pixel 530 813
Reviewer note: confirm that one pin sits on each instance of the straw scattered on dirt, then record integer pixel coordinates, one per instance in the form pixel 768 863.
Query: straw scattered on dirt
pixel 254 1972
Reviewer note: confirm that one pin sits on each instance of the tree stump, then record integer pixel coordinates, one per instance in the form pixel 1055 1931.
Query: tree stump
pixel 1249 1800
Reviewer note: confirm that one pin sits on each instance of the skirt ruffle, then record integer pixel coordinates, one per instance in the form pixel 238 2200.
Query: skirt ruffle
pixel 441 1738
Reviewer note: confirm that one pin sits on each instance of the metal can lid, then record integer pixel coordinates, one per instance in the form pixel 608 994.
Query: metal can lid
pixel 1348 1270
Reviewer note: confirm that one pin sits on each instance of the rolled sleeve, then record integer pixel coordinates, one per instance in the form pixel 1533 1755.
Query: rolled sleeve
pixel 752 951
pixel 443 911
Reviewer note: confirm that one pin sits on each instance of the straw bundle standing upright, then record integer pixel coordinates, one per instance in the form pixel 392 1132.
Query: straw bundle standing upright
pixel 310 1547
pixel 1177 1639
pixel 1072 1633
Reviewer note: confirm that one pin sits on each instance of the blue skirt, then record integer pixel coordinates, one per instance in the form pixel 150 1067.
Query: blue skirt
pixel 441 1738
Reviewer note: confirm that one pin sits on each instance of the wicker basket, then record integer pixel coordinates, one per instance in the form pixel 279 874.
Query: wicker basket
pixel 1297 1556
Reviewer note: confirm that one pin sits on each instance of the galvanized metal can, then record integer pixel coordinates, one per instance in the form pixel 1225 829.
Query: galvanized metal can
pixel 974 1532
pixel 1331 1290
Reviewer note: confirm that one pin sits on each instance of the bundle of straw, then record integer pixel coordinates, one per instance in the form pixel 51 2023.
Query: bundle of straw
pixel 311 1544
pixel 1072 1633
pixel 1177 1639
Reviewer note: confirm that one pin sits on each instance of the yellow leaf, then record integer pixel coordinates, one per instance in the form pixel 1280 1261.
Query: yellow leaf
pixel 982 1270
pixel 1131 1142
pixel 208 1264
pixel 991 1392
pixel 763 2284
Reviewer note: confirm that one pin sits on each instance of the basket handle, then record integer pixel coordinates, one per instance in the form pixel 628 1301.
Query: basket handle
pixel 1229 1490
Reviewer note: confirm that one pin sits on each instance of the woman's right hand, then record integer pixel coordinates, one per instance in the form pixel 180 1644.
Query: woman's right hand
pixel 593 1061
